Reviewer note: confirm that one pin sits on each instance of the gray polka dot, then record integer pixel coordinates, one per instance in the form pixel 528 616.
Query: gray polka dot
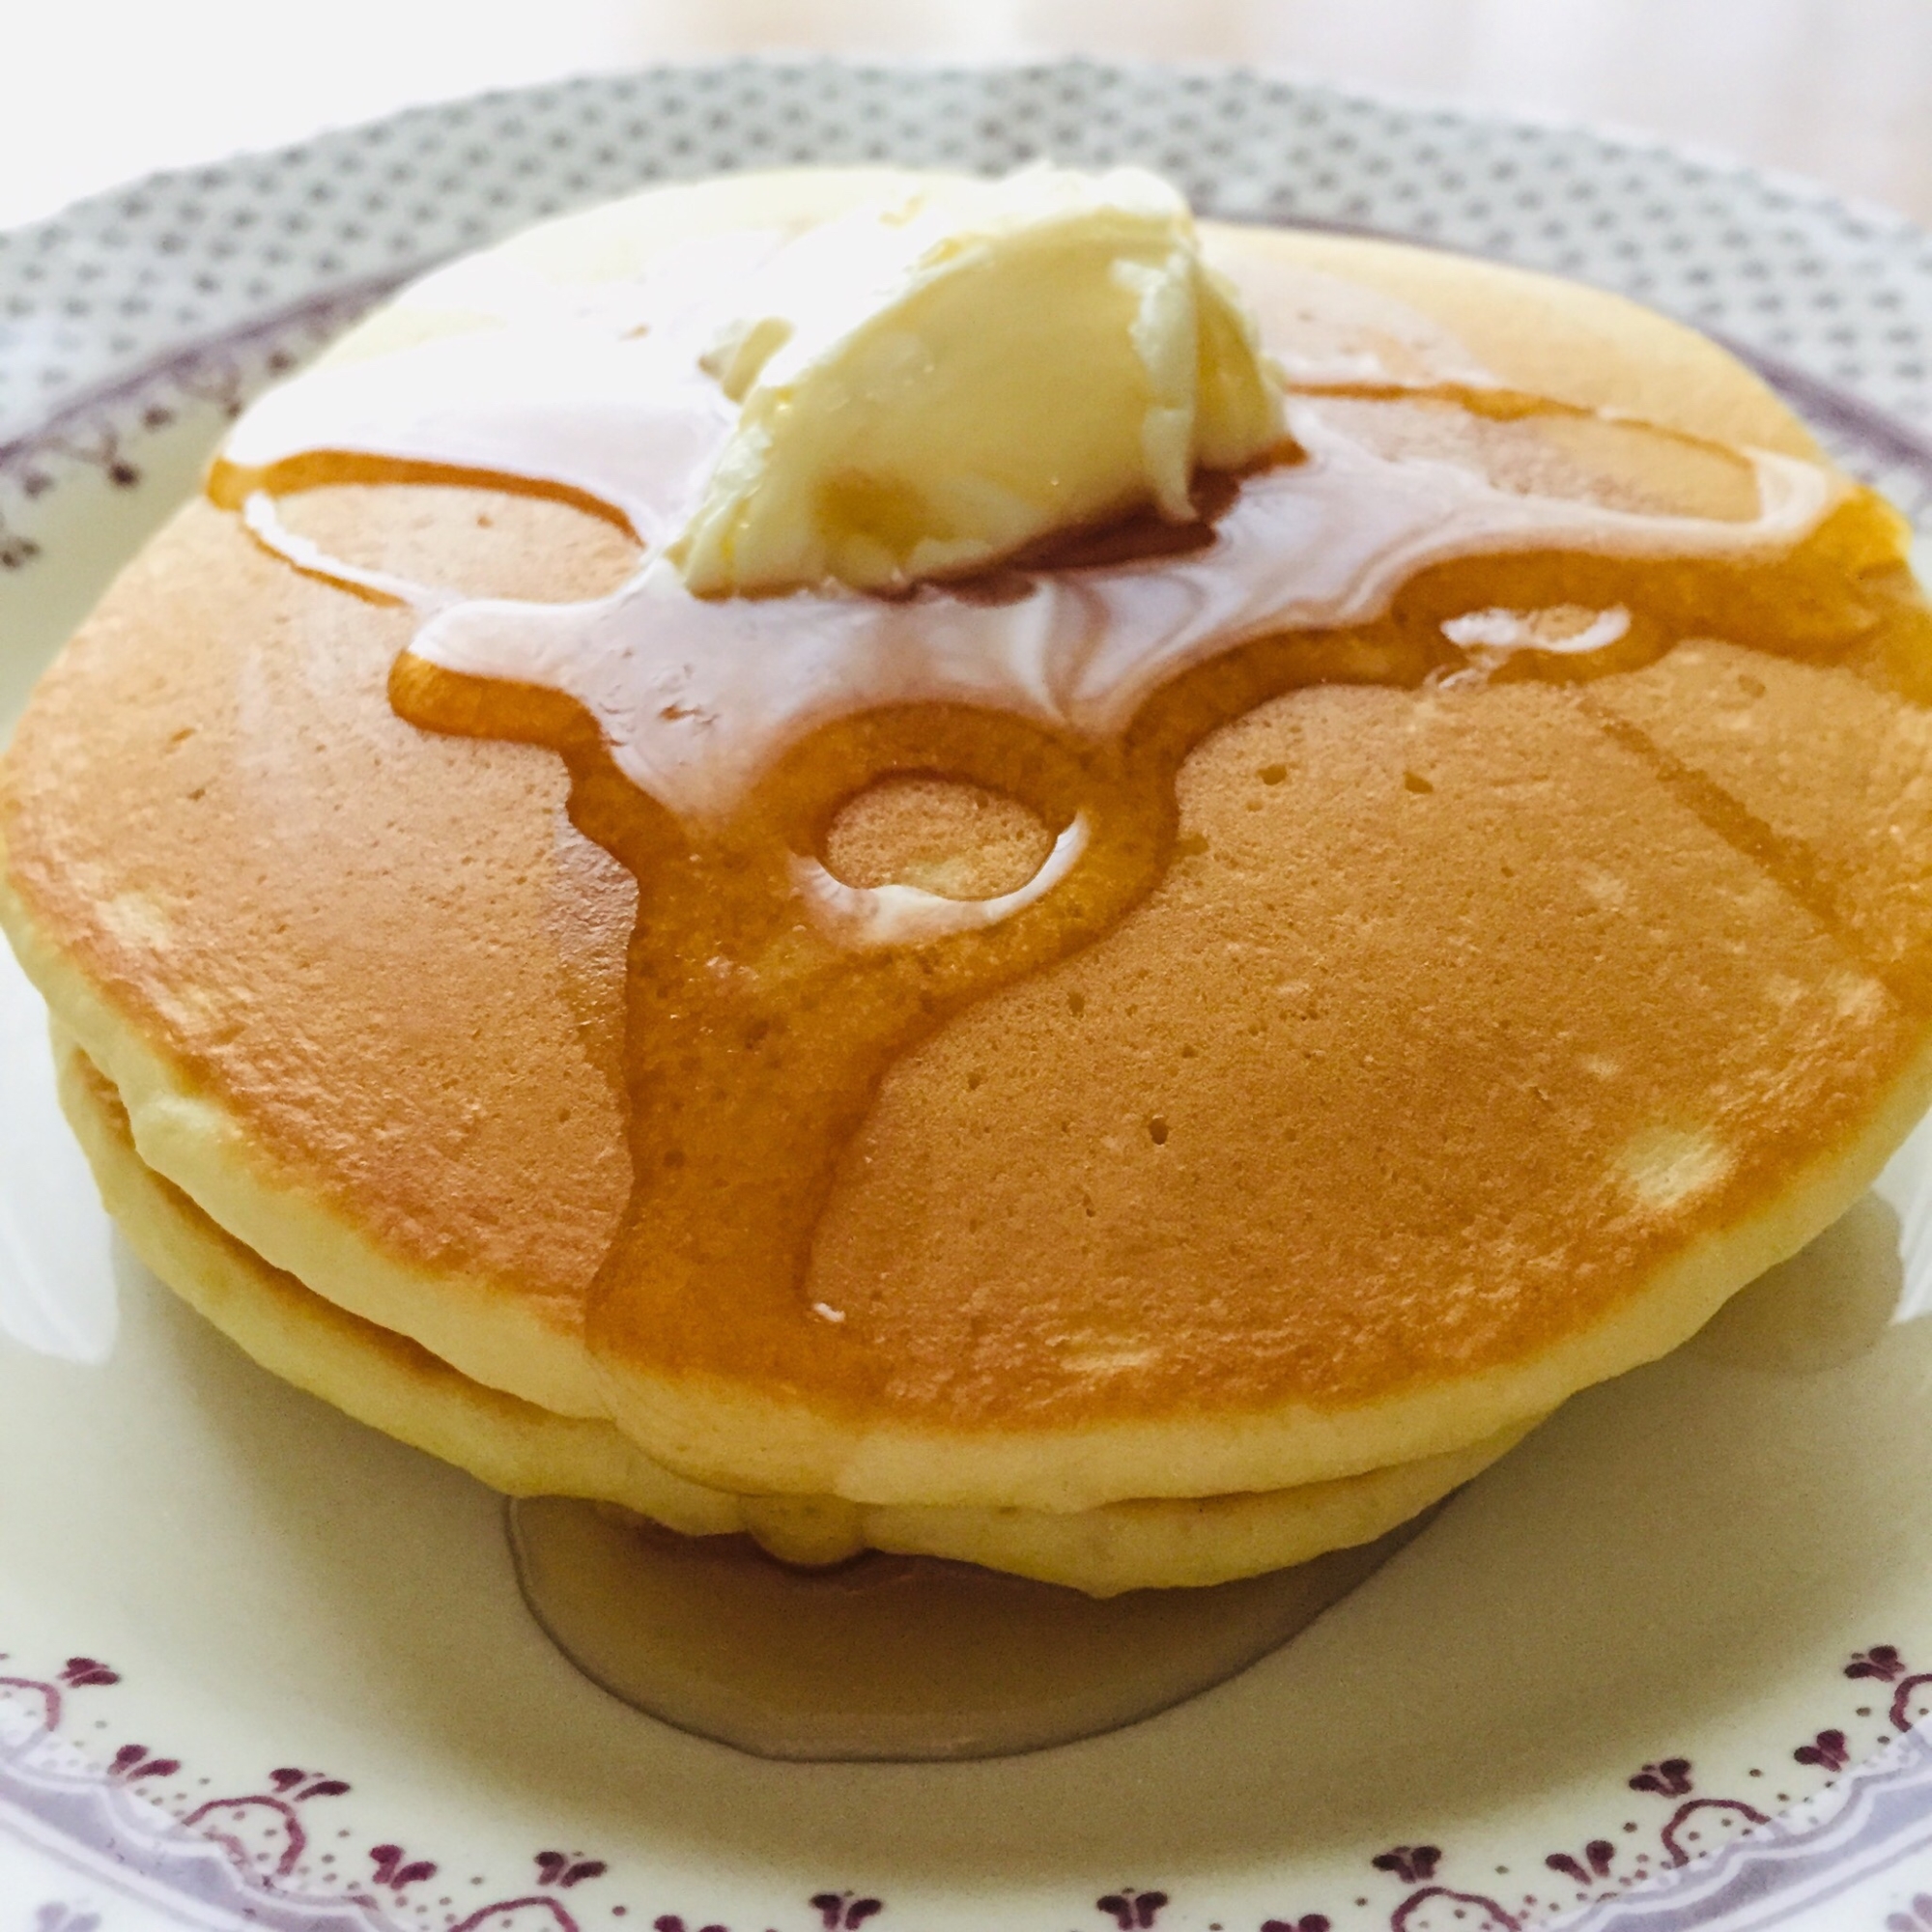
pixel 276 252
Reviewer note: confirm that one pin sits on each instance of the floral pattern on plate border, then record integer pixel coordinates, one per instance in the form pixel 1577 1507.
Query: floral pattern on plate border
pixel 255 1856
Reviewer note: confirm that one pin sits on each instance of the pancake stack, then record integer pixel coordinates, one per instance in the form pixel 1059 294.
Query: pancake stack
pixel 1454 999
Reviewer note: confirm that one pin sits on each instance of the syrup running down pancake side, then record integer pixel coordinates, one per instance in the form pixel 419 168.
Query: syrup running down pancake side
pixel 1425 526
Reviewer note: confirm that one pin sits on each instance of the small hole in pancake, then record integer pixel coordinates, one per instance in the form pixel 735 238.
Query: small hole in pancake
pixel 1157 1131
pixel 1415 781
pixel 959 841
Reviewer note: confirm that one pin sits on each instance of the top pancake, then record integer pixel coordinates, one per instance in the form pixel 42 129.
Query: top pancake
pixel 1476 1044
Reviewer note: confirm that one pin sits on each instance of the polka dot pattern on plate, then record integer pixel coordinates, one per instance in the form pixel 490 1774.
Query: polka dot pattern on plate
pixel 201 286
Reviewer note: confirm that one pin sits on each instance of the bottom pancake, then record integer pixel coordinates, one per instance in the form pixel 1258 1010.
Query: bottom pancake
pixel 393 1384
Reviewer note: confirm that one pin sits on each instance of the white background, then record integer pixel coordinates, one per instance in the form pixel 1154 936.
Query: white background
pixel 95 91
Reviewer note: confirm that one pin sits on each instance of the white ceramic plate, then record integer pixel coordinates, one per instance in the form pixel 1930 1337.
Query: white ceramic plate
pixel 1661 1668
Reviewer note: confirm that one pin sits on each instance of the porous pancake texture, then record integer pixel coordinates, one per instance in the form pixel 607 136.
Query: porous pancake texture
pixel 395 1385
pixel 1481 1033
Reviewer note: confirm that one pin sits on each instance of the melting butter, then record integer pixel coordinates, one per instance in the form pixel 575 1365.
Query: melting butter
pixel 600 395
pixel 931 384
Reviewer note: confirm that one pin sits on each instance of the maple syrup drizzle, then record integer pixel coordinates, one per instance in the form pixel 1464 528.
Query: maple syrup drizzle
pixel 710 743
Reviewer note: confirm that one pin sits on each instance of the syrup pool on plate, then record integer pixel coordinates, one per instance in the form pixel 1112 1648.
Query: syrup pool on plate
pixel 889 1657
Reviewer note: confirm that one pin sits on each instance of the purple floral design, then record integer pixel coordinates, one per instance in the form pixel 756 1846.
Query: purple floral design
pixel 1828 1751
pixel 1437 1909
pixel 1594 1865
pixel 1412 1864
pixel 263 1836
pixel 842 1911
pixel 266 1835
pixel 1671 1778
pixel 1130 1910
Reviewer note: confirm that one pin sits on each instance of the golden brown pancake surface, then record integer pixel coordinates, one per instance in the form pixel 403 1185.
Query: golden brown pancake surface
pixel 421 1035
pixel 391 1383
pixel 1478 1039
pixel 1458 969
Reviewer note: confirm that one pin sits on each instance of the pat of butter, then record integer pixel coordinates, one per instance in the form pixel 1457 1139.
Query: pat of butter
pixel 928 386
